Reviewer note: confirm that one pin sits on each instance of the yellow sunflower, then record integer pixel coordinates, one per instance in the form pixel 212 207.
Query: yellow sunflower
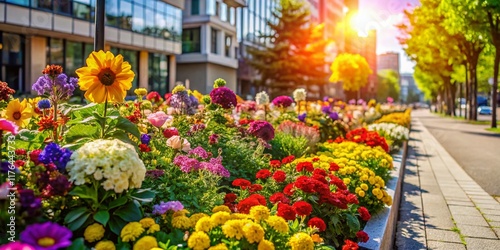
pixel 106 77
pixel 19 112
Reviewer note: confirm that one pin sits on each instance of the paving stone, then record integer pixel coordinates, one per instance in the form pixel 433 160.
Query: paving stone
pixel 494 224
pixel 435 245
pixel 477 232
pixel 492 217
pixel 461 210
pixel 483 244
pixel 442 235
pixel 488 206
pixel 470 220
pixel 490 211
pixel 460 203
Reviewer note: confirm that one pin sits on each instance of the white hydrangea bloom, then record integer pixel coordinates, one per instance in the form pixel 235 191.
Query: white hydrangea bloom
pixel 299 94
pixel 114 163
pixel 262 98
pixel 391 130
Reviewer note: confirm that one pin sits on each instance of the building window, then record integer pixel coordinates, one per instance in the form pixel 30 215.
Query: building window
pixel 228 42
pixel 191 40
pixel 195 7
pixel 138 20
pixel 12 60
pixel 224 13
pixel 41 4
pixel 158 73
pixel 82 9
pixel 125 15
pixel 73 57
pixel 214 35
pixel 112 13
pixel 56 51
pixel 20 2
pixel 62 6
pixel 217 8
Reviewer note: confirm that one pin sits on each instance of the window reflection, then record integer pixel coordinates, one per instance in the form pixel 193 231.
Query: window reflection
pixel 191 40
pixel 125 15
pixel 158 73
pixel 138 19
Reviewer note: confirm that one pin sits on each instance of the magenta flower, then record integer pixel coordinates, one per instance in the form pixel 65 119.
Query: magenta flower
pixel 261 129
pixel 390 99
pixel 16 245
pixel 47 236
pixel 159 118
pixel 6 125
pixel 283 101
pixel 223 96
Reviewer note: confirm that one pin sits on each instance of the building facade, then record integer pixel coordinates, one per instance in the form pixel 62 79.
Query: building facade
pixel 410 92
pixel 35 33
pixel 209 44
pixel 389 60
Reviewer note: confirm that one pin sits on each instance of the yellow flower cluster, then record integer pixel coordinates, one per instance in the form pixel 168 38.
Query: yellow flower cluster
pixel 199 241
pixel 301 241
pixel 94 232
pixel 359 152
pixel 403 119
pixel 133 230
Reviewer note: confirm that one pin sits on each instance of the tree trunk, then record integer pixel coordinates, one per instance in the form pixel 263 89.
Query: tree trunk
pixel 495 87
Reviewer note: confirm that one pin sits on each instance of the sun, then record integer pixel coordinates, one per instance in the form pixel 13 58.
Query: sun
pixel 361 22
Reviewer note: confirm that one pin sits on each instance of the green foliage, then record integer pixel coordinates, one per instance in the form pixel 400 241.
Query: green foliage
pixel 388 85
pixel 352 70
pixel 284 145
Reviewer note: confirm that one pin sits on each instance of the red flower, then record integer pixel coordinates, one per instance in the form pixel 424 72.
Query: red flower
pixel 279 197
pixel 334 166
pixel 337 182
pixel 307 166
pixel 350 245
pixel 288 190
pixel 247 203
pixel 315 159
pixel 255 188
pixel 302 208
pixel 20 151
pixel 288 159
pixel 261 199
pixel 244 184
pixel 352 199
pixel 19 163
pixel 286 211
pixel 317 223
pixel 245 121
pixel 263 174
pixel 320 187
pixel 34 156
pixel 279 176
pixel 169 132
pixel 230 197
pixel 364 214
pixel 320 178
pixel 362 236
pixel 275 163
pixel 319 171
pixel 153 96
pixel 144 148
pixel 305 184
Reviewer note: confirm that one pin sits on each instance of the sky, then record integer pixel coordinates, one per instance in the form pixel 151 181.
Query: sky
pixel 382 15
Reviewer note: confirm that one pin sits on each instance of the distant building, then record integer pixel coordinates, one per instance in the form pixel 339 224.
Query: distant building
pixel 389 60
pixel 409 90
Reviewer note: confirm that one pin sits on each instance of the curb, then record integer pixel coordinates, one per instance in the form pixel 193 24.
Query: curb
pixel 382 226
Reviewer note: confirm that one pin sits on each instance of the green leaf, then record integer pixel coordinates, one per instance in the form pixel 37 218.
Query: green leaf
pixel 122 136
pixel 79 131
pixel 129 212
pixel 102 217
pixel 75 214
pixel 116 224
pixel 76 224
pixel 78 244
pixel 128 126
pixel 353 223
pixel 143 195
pixel 84 192
pixel 118 202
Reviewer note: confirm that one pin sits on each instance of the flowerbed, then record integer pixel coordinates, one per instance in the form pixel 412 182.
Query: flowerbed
pixel 185 170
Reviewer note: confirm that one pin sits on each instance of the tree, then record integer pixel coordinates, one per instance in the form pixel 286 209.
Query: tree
pixel 352 70
pixel 297 56
pixel 388 85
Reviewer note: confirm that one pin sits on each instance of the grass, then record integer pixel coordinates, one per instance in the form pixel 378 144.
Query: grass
pixel 495 130
pixel 457 230
pixel 462 118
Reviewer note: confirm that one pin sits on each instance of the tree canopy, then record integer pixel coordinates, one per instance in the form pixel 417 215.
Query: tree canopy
pixel 352 70
pixel 388 85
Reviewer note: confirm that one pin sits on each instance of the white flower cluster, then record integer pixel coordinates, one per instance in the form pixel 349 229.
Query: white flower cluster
pixel 262 98
pixel 391 131
pixel 299 94
pixel 115 164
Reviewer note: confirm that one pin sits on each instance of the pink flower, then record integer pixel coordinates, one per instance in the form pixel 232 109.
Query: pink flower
pixel 4 190
pixel 16 245
pixel 159 118
pixel 6 125
pixel 176 142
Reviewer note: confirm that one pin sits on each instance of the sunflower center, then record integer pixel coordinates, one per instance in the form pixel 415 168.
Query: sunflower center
pixel 46 242
pixel 17 115
pixel 107 77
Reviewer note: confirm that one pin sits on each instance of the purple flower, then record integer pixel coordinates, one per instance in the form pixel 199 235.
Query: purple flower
pixel 29 202
pixel 182 101
pixel 163 207
pixel 145 139
pixel 197 127
pixel 155 173
pixel 326 109
pixel 186 164
pixel 224 97
pixel 44 104
pixel 16 245
pixel 361 101
pixel 261 129
pixel 215 167
pixel 5 167
pixel 352 102
pixel 59 88
pixel 325 99
pixel 58 186
pixel 302 117
pixel 52 153
pixel 200 152
pixel 334 115
pixel 47 236
pixel 213 139
pixel 283 101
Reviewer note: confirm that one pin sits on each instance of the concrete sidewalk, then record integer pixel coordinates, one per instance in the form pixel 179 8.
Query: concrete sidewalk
pixel 442 207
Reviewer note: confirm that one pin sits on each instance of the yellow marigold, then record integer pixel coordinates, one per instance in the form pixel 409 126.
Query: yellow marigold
pixel 195 217
pixel 278 223
pixel 147 222
pixel 260 212
pixel 376 192
pixel 363 186
pixel 253 232
pixel 220 246
pixel 232 229
pixel 153 229
pixel 141 91
pixel 131 231
pixel 178 88
pixel 105 245
pixel 199 241
pixel 301 241
pixel 181 212
pixel 220 218
pixel 265 245
pixel 204 224
pixel 220 208
pixel 145 243
pixel 371 180
pixel 239 216
pixel 347 181
pixel 181 222
pixel 361 193
pixel 94 232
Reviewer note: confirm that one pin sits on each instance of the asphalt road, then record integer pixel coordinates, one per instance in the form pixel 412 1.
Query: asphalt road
pixel 476 150
pixel 481 117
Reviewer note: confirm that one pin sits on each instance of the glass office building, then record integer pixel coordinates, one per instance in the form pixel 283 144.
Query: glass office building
pixel 34 33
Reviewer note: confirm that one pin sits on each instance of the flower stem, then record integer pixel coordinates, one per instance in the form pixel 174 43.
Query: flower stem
pixel 103 125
